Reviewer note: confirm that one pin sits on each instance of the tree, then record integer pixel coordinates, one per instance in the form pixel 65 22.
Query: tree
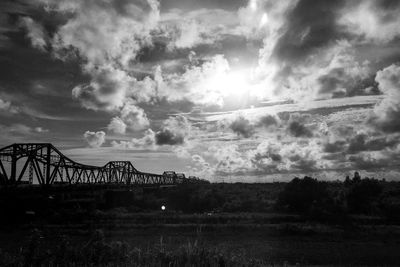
pixel 304 195
pixel 363 195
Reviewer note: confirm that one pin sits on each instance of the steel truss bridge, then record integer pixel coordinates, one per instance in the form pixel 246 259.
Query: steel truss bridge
pixel 42 163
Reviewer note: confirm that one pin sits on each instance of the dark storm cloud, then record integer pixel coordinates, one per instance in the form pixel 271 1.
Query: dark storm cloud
pixel 390 9
pixel 333 147
pixel 362 142
pixel 304 164
pixel 173 131
pixel 297 129
pixel 367 162
pixel 310 25
pixel 338 82
pixel 268 121
pixel 242 126
pixel 167 137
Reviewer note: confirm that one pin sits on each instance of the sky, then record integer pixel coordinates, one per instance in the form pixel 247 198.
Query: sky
pixel 226 90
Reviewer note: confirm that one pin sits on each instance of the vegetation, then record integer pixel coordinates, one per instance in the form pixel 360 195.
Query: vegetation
pixel 98 252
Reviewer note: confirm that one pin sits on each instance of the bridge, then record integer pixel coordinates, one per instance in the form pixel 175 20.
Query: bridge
pixel 43 164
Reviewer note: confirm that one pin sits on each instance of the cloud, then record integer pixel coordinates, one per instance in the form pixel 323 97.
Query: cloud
pixel 106 37
pixel 334 147
pixel 21 133
pixel 230 160
pixel 332 71
pixel 362 142
pixel 168 137
pixel 173 131
pixel 201 85
pixel 4 105
pixel 307 54
pixel 242 126
pixel 117 125
pixel 16 129
pixel 268 121
pixel 372 20
pixel 266 157
pixel 145 142
pixel 188 29
pixel 95 139
pixel 344 76
pixel 106 91
pixel 7 106
pixel 273 157
pixel 134 117
pixel 41 130
pixel 296 125
pixel 310 25
pixel 387 112
pixel 92 23
pixel 189 35
pixel 263 18
pixel 35 32
pixel 374 160
pixel 298 129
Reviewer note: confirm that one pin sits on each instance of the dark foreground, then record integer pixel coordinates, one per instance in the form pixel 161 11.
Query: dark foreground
pixel 301 223
pixel 116 238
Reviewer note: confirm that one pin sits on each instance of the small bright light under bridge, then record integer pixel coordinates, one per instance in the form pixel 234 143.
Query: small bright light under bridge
pixel 163 207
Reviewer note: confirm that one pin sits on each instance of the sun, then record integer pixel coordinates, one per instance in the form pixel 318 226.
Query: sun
pixel 236 83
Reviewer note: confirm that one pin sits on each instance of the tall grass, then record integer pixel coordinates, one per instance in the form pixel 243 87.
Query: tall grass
pixel 98 252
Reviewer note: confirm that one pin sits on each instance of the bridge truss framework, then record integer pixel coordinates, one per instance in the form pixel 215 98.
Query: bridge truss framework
pixel 44 164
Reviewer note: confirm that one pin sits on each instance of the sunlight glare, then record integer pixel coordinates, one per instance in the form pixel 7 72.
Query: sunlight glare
pixel 253 5
pixel 230 83
pixel 264 20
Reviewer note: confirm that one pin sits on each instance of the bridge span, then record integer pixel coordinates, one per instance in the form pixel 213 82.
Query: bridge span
pixel 43 164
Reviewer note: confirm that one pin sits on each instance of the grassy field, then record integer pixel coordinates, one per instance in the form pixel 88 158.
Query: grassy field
pixel 260 239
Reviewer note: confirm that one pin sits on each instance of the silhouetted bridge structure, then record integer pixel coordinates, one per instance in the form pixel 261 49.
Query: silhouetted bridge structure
pixel 43 164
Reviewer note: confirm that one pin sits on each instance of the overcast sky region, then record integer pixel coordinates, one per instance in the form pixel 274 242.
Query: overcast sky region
pixel 228 90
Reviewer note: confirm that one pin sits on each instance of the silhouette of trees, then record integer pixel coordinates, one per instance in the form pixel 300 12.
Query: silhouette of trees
pixel 305 195
pixel 363 195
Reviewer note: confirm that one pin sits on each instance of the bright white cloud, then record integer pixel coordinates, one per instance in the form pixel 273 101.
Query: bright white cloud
pixel 117 125
pixel 387 112
pixel 145 142
pixel 4 105
pixel 95 139
pixel 371 21
pixel 190 29
pixel 8 107
pixel 93 22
